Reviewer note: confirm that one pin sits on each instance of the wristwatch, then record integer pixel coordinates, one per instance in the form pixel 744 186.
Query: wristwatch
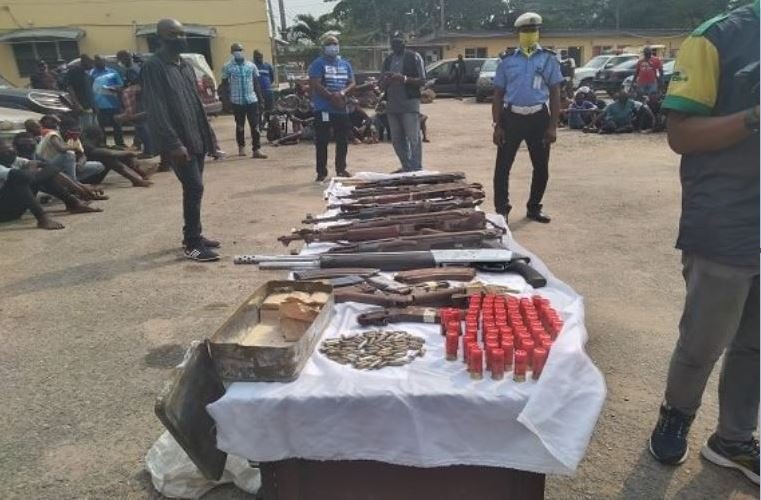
pixel 752 119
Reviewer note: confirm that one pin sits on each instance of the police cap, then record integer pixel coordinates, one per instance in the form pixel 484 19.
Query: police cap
pixel 528 19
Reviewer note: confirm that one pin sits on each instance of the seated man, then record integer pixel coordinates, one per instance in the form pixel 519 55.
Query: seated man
pixel 34 128
pixel 20 179
pixel 651 117
pixel 380 120
pixel 53 150
pixel 618 117
pixel 360 123
pixel 581 113
pixel 124 163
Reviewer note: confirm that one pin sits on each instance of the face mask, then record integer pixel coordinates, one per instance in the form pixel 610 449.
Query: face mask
pixel 332 50
pixel 177 45
pixel 528 40
pixel 7 159
pixel 238 55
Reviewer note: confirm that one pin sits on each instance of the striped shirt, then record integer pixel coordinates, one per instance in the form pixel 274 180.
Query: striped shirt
pixel 241 78
pixel 176 116
pixel 336 74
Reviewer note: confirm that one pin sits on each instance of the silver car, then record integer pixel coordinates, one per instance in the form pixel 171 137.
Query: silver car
pixel 485 82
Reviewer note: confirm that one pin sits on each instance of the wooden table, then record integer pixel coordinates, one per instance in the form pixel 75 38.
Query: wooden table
pixel 297 479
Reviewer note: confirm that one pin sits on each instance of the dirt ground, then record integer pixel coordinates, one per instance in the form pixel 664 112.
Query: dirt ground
pixel 92 318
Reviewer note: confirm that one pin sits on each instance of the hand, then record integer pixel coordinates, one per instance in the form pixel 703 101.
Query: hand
pixel 397 77
pixel 550 135
pixel 498 136
pixel 337 100
pixel 179 156
pixel 34 165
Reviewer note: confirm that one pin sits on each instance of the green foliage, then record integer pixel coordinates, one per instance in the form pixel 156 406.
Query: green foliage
pixel 373 20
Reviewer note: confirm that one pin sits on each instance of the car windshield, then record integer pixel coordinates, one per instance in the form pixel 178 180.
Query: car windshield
pixel 490 66
pixel 626 65
pixel 596 62
pixel 5 84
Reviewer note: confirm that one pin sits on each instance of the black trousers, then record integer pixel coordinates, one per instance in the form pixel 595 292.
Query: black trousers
pixel 250 112
pixel 106 119
pixel 340 125
pixel 16 197
pixel 191 177
pixel 519 128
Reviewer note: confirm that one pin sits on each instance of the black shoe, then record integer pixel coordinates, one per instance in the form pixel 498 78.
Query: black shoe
pixel 321 178
pixel 207 243
pixel 504 212
pixel 399 171
pixel 538 216
pixel 200 253
pixel 343 173
pixel 210 243
pixel 740 455
pixel 668 442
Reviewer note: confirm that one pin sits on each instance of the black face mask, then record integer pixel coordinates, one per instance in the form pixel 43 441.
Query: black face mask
pixel 177 45
pixel 7 159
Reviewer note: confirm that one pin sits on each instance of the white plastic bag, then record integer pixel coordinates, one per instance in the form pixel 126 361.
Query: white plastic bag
pixel 174 475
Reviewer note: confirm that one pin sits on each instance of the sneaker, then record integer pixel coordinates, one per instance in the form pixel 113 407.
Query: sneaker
pixel 740 455
pixel 321 178
pixel 258 155
pixel 210 243
pixel 343 173
pixel 200 253
pixel 668 442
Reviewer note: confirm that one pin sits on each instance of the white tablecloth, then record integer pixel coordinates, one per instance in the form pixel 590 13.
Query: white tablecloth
pixel 428 413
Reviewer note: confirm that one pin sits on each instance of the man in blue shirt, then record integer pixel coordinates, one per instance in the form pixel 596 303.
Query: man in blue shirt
pixel 266 78
pixel 242 79
pixel 581 112
pixel 330 79
pixel 526 79
pixel 107 85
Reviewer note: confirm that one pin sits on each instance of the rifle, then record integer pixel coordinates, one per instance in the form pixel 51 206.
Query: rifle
pixel 379 191
pixel 485 259
pixel 433 295
pixel 425 241
pixel 436 274
pixel 408 208
pixel 411 180
pixel 391 227
pixel 474 191
pixel 381 317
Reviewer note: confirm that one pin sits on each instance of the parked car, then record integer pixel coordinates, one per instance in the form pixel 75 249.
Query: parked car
pixel 610 80
pixel 47 102
pixel 441 81
pixel 205 80
pixel 12 121
pixel 485 83
pixel 668 72
pixel 585 75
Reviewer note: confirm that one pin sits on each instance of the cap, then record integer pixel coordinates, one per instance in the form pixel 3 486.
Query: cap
pixel 528 19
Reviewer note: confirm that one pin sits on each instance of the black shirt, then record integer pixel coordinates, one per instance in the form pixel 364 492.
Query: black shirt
pixel 176 116
pixel 79 81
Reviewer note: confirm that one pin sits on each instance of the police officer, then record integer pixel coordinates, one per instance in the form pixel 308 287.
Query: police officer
pixel 527 78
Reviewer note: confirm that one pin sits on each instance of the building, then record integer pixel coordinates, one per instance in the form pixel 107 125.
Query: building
pixel 582 45
pixel 45 29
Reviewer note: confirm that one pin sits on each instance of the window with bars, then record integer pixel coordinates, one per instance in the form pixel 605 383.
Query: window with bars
pixel 476 52
pixel 28 53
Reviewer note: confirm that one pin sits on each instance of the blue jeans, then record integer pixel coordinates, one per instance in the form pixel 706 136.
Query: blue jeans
pixel 66 163
pixel 406 138
pixel 648 88
pixel 91 171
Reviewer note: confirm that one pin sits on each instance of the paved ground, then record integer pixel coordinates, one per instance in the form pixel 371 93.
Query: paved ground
pixel 92 318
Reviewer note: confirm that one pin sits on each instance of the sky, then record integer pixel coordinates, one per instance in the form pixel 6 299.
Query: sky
pixel 293 7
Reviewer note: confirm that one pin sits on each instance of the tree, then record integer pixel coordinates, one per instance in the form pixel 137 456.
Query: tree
pixel 310 29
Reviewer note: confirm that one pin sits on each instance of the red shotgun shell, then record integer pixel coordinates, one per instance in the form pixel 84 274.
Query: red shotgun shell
pixel 497 363
pixel 540 358
pixel 519 370
pixel 453 341
pixel 476 363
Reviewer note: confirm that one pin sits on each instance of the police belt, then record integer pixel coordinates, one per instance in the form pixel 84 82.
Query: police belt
pixel 524 110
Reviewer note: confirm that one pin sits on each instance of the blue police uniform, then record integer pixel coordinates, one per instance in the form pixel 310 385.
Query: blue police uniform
pixel 526 80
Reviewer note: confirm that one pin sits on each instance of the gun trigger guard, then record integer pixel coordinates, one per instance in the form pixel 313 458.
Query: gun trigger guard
pixel 491 267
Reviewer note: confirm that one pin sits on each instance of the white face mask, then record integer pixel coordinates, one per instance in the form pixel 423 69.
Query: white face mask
pixel 332 50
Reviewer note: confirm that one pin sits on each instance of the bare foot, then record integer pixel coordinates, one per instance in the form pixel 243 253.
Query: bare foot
pixel 84 209
pixel 46 222
pixel 142 183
